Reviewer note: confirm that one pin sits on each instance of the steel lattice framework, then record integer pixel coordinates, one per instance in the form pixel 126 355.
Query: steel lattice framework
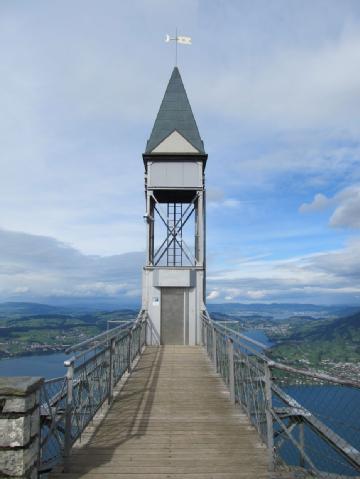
pixel 174 248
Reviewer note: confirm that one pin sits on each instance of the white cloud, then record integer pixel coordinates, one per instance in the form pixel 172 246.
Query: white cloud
pixel 329 277
pixel 214 195
pixel 231 203
pixel 216 198
pixel 319 203
pixel 213 295
pixel 34 267
pixel 296 86
pixel 346 213
pixel 21 290
pixel 256 294
pixel 41 267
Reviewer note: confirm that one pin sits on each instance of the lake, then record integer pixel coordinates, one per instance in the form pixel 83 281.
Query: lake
pixel 52 365
pixel 258 335
pixel 44 365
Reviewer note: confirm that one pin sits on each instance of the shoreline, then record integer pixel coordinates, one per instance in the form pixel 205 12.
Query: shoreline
pixel 34 353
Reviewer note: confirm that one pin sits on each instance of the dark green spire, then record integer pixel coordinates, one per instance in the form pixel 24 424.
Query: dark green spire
pixel 175 114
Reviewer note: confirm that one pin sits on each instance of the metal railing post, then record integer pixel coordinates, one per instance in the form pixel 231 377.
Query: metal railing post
pixel 146 332
pixel 230 348
pixel 68 412
pixel 129 352
pixel 139 346
pixel 111 371
pixel 214 347
pixel 205 336
pixel 269 419
pixel 302 444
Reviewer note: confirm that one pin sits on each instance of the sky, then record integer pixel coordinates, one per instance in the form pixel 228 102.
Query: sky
pixel 275 89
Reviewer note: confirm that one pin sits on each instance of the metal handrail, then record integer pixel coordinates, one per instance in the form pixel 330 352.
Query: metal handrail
pixel 276 414
pixel 106 335
pixel 69 403
pixel 275 364
pixel 217 324
pixel 314 374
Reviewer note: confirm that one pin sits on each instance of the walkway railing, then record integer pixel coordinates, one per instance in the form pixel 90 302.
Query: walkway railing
pixel 309 421
pixel 69 403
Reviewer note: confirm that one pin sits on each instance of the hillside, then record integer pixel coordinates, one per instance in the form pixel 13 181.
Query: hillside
pixel 347 328
pixel 21 308
pixel 50 331
pixel 322 342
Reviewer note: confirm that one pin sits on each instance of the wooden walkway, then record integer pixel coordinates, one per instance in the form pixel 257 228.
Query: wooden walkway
pixel 172 420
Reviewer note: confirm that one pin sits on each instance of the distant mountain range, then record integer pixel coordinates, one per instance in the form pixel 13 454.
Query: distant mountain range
pixel 27 308
pixel 290 308
pixel 13 307
pixel 307 331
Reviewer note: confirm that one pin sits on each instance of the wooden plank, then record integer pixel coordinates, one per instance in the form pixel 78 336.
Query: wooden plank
pixel 173 419
pixel 212 475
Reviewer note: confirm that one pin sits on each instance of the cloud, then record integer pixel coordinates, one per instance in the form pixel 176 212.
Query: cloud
pixel 231 203
pixel 34 266
pixel 256 294
pixel 347 213
pixel 319 203
pixel 347 207
pixel 213 295
pixel 216 198
pixel 330 277
pixel 42 268
pixel 214 195
pixel 296 86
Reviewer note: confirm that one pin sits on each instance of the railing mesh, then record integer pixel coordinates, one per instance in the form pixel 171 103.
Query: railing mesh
pixel 69 403
pixel 53 404
pixel 309 421
pixel 250 389
pixel 326 428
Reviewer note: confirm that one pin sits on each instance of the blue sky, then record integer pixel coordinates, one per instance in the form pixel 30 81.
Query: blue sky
pixel 275 88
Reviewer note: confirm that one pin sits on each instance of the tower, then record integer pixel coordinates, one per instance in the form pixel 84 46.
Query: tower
pixel 174 273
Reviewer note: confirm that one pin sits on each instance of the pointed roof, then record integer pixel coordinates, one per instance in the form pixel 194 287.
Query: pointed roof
pixel 175 114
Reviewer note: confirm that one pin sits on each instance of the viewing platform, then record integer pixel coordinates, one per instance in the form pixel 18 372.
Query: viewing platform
pixel 172 419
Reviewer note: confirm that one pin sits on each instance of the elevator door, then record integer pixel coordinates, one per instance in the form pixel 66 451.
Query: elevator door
pixel 172 315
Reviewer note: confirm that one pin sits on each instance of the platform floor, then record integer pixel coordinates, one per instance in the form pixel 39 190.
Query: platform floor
pixel 172 420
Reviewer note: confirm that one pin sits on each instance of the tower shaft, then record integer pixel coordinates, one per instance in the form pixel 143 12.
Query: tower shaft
pixel 174 273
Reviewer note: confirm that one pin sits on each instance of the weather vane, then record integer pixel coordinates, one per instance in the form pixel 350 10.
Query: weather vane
pixel 178 39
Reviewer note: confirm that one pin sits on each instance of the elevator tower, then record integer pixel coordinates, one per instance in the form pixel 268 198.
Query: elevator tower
pixel 174 273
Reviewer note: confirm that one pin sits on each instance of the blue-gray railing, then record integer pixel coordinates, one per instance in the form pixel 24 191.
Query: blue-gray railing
pixel 70 402
pixel 309 421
